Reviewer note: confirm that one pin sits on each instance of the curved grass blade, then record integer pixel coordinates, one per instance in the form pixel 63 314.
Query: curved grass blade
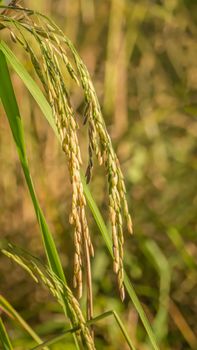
pixel 5 341
pixel 30 84
pixel 8 309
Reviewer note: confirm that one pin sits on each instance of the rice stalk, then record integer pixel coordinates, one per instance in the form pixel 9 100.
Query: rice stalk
pixel 56 49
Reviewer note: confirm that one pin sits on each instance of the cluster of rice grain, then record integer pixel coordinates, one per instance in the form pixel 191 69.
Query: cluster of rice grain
pixel 55 48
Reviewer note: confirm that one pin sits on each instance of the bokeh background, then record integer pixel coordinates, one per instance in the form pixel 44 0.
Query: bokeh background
pixel 142 57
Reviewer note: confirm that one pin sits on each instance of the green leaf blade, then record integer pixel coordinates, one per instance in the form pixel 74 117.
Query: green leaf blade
pixel 4 338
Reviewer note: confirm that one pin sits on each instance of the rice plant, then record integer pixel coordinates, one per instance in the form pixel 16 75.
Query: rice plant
pixel 51 42
pixel 57 56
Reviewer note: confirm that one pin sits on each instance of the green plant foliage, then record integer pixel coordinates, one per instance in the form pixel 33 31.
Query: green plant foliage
pixel 7 308
pixel 5 341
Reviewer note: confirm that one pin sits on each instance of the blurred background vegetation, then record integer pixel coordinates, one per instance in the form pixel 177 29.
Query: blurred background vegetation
pixel 142 58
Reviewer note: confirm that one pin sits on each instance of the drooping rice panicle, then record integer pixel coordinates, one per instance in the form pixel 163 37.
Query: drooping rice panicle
pixel 56 47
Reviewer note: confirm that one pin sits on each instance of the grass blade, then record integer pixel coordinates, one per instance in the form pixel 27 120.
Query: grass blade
pixel 44 106
pixel 31 85
pixel 8 309
pixel 161 264
pixel 5 341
